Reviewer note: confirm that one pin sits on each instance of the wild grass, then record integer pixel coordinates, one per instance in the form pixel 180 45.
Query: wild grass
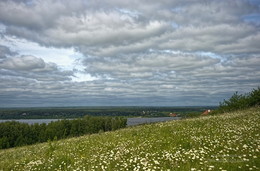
pixel 223 142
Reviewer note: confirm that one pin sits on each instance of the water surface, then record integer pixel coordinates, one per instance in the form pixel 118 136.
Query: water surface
pixel 130 121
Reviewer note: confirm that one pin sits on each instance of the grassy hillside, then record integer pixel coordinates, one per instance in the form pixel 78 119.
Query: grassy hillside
pixel 222 142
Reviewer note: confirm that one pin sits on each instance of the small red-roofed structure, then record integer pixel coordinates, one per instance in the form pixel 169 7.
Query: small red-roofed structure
pixel 206 112
pixel 173 114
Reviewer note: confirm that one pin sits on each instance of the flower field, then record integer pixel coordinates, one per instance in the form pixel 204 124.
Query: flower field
pixel 223 142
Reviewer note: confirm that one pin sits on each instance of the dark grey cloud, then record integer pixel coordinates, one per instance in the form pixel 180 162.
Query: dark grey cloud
pixel 167 52
pixel 148 65
pixel 24 63
pixel 5 52
pixel 30 67
pixel 102 30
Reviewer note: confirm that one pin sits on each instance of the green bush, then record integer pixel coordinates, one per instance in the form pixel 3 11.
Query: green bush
pixel 240 101
pixel 254 97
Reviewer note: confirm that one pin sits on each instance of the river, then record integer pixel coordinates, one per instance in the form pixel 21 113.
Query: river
pixel 130 121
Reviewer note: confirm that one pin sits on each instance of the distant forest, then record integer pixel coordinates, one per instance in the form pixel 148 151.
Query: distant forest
pixel 14 134
pixel 77 112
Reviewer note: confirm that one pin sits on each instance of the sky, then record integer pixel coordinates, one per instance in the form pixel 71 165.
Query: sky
pixel 127 52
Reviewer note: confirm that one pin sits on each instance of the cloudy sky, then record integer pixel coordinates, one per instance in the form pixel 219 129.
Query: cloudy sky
pixel 127 52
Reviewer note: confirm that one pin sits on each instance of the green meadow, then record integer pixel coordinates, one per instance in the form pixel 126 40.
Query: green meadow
pixel 229 141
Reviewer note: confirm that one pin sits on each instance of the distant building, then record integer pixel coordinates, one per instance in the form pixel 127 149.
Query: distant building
pixel 173 114
pixel 206 112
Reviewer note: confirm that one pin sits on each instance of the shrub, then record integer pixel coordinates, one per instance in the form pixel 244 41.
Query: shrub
pixel 254 97
pixel 240 101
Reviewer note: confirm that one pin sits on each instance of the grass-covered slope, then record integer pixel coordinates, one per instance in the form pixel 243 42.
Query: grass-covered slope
pixel 223 142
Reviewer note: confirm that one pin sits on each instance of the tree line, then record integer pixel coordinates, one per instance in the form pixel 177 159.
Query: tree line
pixel 78 112
pixel 240 101
pixel 14 133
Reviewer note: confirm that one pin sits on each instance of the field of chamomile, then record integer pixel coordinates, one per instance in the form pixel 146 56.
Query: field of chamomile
pixel 229 141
